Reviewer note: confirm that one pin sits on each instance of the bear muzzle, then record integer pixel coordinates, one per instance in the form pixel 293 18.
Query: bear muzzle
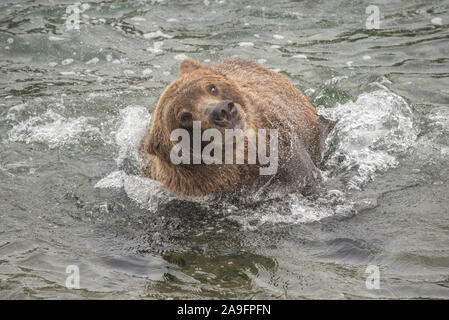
pixel 225 114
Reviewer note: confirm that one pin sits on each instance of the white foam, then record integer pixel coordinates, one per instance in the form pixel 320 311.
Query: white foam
pixel 13 111
pixel 437 21
pixel 146 71
pixel 246 44
pixel 93 61
pixel 52 129
pixel 67 61
pixel 18 107
pixel 113 180
pixel 300 56
pixel 134 121
pixel 435 143
pixel 368 134
pixel 179 57
pixel 293 209
pixel 157 45
pixel 439 118
pixel 68 73
pixel 144 191
pixel 157 34
pixel 84 7
pixel 309 91
pixel 53 38
pixel 334 80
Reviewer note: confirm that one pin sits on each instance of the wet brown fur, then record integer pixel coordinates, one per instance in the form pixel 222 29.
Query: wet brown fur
pixel 265 100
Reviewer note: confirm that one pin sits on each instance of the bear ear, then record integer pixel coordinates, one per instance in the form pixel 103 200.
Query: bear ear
pixel 188 65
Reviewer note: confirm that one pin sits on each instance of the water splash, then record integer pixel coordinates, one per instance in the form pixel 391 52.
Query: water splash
pixel 293 209
pixel 132 125
pixel 432 146
pixel 52 129
pixel 368 136
pixel 146 192
pixel 134 121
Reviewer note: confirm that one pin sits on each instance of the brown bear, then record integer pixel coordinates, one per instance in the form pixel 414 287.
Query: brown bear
pixel 235 94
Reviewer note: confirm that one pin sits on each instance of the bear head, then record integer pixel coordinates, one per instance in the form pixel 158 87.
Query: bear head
pixel 202 94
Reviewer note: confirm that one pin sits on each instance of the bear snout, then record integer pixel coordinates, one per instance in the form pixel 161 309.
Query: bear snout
pixel 224 114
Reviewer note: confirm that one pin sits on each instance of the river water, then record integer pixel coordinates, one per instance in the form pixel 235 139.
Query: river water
pixel 78 81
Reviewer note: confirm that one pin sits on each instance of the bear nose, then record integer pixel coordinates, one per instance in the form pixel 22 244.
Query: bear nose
pixel 223 113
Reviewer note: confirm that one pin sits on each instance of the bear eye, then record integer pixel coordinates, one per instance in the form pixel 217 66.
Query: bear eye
pixel 186 117
pixel 212 89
